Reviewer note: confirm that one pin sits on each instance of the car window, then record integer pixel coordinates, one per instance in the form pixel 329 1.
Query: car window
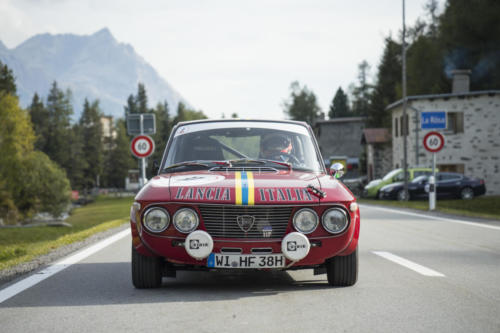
pixel 245 141
pixel 421 173
pixel 391 174
pixel 420 178
pixel 449 177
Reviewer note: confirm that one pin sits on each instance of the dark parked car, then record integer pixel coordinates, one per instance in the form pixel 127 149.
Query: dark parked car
pixel 448 185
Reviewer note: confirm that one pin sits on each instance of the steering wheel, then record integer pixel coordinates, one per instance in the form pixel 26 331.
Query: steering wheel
pixel 283 157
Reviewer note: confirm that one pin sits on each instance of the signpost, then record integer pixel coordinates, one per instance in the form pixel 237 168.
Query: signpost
pixel 433 120
pixel 142 145
pixel 433 142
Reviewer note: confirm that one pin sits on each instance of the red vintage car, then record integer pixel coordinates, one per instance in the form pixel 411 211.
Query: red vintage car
pixel 244 194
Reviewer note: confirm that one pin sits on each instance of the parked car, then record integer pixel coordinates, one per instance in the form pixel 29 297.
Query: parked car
pixel 235 194
pixel 448 185
pixel 371 190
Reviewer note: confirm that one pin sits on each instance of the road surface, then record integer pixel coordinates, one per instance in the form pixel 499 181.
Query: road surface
pixel 417 274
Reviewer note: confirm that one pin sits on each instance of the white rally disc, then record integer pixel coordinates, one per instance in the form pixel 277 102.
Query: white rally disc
pixel 295 246
pixel 199 244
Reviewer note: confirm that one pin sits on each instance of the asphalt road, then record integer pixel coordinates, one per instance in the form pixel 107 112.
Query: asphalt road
pixel 416 275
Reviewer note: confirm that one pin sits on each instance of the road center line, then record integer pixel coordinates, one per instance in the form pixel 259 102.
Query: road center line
pixel 36 278
pixel 475 224
pixel 408 264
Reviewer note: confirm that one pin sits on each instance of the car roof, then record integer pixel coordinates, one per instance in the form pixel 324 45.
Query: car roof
pixel 303 123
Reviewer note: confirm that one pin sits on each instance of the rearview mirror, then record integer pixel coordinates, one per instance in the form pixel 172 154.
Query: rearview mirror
pixel 337 170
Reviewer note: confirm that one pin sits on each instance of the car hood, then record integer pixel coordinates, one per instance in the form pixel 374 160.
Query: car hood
pixel 242 188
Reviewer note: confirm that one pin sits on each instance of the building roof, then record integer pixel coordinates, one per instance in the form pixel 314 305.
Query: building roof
pixel 341 120
pixel 376 135
pixel 444 96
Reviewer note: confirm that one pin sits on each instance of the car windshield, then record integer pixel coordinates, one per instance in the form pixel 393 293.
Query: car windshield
pixel 226 144
pixel 391 174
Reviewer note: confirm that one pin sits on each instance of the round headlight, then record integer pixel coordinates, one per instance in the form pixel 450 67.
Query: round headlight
pixel 156 219
pixel 305 220
pixel 185 220
pixel 335 220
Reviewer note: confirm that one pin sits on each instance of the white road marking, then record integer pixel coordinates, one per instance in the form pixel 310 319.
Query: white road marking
pixel 32 280
pixel 475 224
pixel 408 264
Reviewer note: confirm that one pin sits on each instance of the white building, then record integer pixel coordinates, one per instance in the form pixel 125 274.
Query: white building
pixel 472 136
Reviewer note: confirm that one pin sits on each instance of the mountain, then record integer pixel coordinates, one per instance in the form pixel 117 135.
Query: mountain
pixel 94 67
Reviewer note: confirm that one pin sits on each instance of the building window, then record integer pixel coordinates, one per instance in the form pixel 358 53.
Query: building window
pixel 455 122
pixel 403 127
pixel 396 127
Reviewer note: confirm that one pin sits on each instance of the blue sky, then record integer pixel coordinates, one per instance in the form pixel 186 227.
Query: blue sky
pixel 228 56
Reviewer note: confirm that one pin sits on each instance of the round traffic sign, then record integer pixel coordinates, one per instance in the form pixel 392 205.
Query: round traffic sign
pixel 433 142
pixel 142 146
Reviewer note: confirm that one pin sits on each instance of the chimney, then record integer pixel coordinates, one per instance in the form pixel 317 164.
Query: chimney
pixel 461 81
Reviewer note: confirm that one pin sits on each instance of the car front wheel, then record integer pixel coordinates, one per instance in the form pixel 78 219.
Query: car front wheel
pixel 146 271
pixel 342 271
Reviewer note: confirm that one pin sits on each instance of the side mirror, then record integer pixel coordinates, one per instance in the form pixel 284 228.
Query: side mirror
pixel 156 166
pixel 337 170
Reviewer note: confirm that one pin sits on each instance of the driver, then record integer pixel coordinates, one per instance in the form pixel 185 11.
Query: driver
pixel 276 147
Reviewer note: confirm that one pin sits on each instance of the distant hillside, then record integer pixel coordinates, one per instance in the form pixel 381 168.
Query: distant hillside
pixel 95 66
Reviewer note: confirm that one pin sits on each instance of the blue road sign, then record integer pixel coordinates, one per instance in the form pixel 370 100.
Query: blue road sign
pixel 433 120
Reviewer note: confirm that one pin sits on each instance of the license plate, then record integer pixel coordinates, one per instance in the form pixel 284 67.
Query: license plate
pixel 218 260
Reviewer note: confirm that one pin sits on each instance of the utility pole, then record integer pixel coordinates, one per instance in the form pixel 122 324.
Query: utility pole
pixel 405 121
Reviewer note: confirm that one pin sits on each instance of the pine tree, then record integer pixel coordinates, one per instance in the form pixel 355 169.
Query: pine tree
pixel 7 80
pixel 388 85
pixel 131 106
pixel 340 105
pixel 40 119
pixel 91 128
pixel 59 110
pixel 362 91
pixel 163 128
pixel 302 104
pixel 118 159
pixel 142 99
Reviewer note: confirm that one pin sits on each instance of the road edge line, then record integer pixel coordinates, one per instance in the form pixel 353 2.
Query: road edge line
pixel 58 266
pixel 475 224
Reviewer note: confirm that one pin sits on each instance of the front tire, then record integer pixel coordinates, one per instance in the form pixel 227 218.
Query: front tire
pixel 342 271
pixel 146 271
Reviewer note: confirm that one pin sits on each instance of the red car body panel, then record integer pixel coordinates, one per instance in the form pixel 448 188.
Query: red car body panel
pixel 284 187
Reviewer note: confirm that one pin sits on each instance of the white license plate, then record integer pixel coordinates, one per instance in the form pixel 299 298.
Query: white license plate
pixel 218 260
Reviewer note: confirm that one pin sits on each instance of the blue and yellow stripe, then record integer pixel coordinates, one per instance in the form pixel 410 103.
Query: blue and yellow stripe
pixel 244 188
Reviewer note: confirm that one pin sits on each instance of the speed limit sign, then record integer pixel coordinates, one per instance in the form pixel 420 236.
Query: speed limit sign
pixel 142 146
pixel 433 142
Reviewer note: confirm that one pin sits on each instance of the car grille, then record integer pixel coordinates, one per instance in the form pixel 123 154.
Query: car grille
pixel 269 222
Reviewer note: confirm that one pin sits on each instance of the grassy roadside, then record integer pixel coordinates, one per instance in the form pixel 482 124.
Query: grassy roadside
pixel 18 245
pixel 484 207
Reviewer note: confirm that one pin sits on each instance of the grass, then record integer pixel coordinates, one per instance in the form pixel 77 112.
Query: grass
pixel 484 207
pixel 18 245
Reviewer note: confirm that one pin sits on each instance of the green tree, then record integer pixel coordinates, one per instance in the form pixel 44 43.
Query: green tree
pixel 387 89
pixel 59 110
pixel 29 180
pixel 361 92
pixel 7 80
pixel 163 128
pixel 118 159
pixel 470 34
pixel 40 120
pixel 302 104
pixel 142 99
pixel 131 106
pixel 91 131
pixel 340 105
pixel 185 114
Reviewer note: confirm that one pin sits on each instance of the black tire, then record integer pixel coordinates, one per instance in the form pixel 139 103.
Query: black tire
pixel 342 271
pixel 466 193
pixel 146 271
pixel 401 196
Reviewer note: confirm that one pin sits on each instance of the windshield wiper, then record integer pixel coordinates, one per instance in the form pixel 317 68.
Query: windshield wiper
pixel 173 166
pixel 260 161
